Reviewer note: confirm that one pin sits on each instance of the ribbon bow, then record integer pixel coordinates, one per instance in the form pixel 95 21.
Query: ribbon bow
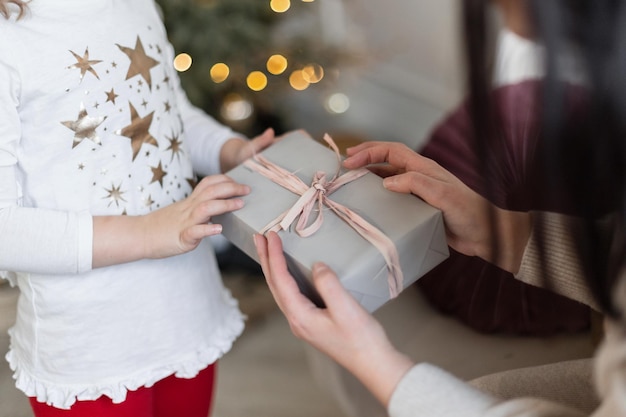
pixel 317 194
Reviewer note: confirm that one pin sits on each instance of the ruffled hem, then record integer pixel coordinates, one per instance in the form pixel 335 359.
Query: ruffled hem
pixel 9 276
pixel 64 396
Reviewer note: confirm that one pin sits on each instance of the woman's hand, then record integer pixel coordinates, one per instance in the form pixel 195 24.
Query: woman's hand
pixel 474 226
pixel 343 330
pixel 237 150
pixel 169 231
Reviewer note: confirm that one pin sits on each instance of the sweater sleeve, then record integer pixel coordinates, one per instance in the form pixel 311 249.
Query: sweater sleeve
pixel 562 266
pixel 429 391
pixel 31 239
pixel 45 241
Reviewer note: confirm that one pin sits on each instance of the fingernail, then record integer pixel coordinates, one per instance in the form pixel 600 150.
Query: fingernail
pixel 255 238
pixel 319 267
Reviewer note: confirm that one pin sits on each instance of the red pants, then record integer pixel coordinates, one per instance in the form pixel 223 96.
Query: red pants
pixel 170 397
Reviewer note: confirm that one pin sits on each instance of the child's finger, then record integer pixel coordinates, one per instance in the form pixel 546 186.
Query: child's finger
pixel 202 213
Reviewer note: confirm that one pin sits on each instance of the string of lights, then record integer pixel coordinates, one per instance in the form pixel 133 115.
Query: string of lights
pixel 239 62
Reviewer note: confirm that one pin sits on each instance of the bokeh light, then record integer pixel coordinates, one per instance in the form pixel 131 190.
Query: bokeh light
pixel 256 81
pixel 313 73
pixel 298 81
pixel 236 108
pixel 219 72
pixel 280 6
pixel 182 62
pixel 276 64
pixel 337 103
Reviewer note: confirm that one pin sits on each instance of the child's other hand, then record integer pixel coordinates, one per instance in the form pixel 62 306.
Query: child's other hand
pixel 179 228
pixel 237 150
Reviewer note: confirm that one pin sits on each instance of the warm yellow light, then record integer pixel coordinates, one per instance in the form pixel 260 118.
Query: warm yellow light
pixel 182 62
pixel 219 72
pixel 256 81
pixel 313 73
pixel 276 64
pixel 308 1
pixel 280 6
pixel 298 81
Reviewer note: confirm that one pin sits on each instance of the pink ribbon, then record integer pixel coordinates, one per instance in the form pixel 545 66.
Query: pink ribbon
pixel 317 195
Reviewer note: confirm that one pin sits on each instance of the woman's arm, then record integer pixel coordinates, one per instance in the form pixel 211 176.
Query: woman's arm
pixel 348 334
pixel 474 226
pixel 344 330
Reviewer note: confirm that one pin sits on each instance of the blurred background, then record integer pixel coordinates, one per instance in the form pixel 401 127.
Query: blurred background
pixel 357 69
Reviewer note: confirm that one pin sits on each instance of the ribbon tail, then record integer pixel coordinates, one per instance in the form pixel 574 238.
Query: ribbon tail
pixel 274 225
pixel 379 240
pixel 313 227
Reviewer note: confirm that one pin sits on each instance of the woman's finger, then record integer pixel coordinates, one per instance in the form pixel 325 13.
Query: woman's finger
pixel 396 154
pixel 339 302
pixel 282 284
pixel 423 186
pixel 385 170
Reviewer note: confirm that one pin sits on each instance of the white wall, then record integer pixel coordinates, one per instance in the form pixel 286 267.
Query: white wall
pixel 411 75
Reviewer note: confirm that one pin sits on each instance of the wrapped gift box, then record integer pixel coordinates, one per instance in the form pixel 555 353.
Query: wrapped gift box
pixel 415 227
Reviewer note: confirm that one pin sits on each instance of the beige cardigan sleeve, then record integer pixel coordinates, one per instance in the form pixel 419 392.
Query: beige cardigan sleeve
pixel 563 273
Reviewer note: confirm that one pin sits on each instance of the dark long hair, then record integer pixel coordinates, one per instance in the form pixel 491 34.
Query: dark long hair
pixel 582 157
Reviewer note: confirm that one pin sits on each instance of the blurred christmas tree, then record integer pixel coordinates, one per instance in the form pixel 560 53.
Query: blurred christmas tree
pixel 238 58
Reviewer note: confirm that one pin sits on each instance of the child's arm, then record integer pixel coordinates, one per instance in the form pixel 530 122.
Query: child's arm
pixel 56 242
pixel 237 150
pixel 172 230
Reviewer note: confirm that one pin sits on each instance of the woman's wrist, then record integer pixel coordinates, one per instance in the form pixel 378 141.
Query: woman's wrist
pixel 381 370
pixel 506 247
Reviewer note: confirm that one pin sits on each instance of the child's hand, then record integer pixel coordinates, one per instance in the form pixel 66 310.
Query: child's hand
pixel 236 150
pixel 180 227
pixel 172 230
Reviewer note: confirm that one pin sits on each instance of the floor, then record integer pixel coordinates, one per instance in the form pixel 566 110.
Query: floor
pixel 269 373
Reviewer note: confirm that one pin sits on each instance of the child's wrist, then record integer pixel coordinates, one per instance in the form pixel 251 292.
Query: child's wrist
pixel 147 238
pixel 230 153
